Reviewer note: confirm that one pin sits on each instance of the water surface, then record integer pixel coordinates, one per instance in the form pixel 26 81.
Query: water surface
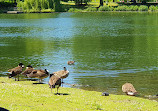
pixel 110 49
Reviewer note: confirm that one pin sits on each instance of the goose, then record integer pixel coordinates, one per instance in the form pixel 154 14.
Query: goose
pixel 129 89
pixel 16 71
pixel 40 74
pixel 54 82
pixel 28 70
pixel 70 62
pixel 62 74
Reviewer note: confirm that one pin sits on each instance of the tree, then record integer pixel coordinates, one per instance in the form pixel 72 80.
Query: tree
pixel 80 2
pixel 101 3
pixel 57 6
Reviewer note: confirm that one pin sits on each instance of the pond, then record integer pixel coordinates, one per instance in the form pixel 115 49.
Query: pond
pixel 109 48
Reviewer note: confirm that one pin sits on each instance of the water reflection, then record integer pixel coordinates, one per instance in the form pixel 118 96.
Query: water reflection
pixel 109 48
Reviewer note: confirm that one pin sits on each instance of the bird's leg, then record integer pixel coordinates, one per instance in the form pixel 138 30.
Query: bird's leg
pixel 18 77
pixel 57 90
pixel 40 80
pixel 15 78
pixel 51 88
pixel 62 82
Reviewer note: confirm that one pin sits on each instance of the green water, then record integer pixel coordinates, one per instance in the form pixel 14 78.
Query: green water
pixel 110 48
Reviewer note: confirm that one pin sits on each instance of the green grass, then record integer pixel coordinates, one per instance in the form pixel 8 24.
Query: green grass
pixel 23 95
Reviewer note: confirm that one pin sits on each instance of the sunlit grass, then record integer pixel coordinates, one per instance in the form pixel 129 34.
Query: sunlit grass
pixel 24 95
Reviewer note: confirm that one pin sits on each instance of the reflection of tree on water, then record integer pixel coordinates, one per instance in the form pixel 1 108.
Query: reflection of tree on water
pixel 126 48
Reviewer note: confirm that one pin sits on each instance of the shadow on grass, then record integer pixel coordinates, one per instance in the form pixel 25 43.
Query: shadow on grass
pixel 61 94
pixel 38 83
pixel 3 109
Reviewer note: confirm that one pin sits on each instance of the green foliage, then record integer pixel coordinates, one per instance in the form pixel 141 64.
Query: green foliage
pixel 105 8
pixel 143 8
pixel 153 8
pixel 39 5
pixel 57 6
pixel 112 4
pixel 121 8
pixel 133 8
pixel 77 2
pixel 91 9
pixel 127 8
pixel 74 10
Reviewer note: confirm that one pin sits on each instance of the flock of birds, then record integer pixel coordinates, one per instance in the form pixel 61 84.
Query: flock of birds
pixel 55 79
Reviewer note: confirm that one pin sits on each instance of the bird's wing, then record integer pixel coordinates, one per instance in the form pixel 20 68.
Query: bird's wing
pixel 53 79
pixel 128 88
pixel 27 71
pixel 61 74
pixel 13 69
pixel 16 70
pixel 33 74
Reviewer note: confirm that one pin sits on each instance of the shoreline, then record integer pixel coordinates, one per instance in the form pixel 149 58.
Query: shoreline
pixel 24 95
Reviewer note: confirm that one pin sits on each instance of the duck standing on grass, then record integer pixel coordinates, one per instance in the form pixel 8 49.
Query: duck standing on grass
pixel 28 70
pixel 40 74
pixel 129 89
pixel 16 71
pixel 62 74
pixel 54 82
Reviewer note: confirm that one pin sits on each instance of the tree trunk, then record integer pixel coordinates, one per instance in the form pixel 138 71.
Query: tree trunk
pixel 101 2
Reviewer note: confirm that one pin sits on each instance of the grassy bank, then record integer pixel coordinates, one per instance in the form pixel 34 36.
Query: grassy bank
pixel 23 95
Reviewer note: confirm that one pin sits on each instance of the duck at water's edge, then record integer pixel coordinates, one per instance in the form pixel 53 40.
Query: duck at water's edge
pixel 40 74
pixel 16 71
pixel 54 82
pixel 129 89
pixel 28 70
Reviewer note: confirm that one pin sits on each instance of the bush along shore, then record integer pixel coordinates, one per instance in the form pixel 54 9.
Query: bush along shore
pixel 26 96
pixel 119 8
pixel 141 8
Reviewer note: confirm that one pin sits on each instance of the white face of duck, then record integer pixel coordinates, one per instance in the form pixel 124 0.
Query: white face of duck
pixel 47 70
pixel 23 66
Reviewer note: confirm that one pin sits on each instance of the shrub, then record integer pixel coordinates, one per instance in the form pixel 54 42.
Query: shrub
pixel 132 8
pixel 91 9
pixel 135 8
pixel 74 10
pixel 121 8
pixel 143 8
pixel 47 10
pixel 105 8
pixel 152 8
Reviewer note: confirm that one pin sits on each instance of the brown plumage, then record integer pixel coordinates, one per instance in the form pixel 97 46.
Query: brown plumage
pixel 62 74
pixel 54 81
pixel 16 71
pixel 70 62
pixel 129 89
pixel 40 74
pixel 28 70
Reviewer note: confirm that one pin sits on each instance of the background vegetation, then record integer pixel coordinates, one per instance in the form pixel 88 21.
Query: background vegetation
pixel 73 5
